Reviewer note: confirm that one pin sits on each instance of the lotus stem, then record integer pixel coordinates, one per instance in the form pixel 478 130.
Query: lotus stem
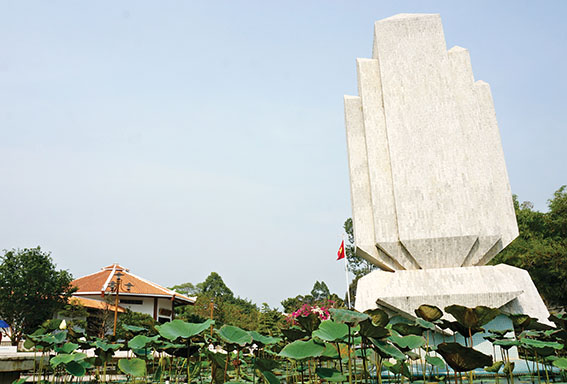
pixel 349 357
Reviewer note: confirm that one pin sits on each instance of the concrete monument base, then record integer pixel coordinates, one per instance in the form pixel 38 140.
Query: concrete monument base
pixel 500 286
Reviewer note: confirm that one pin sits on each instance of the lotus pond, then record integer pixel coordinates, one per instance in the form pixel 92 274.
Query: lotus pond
pixel 338 345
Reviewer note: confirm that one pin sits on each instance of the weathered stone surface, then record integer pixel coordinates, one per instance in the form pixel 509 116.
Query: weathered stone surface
pixel 430 193
pixel 428 177
pixel 500 286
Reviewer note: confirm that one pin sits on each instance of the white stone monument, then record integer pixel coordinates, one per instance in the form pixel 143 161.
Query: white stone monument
pixel 430 193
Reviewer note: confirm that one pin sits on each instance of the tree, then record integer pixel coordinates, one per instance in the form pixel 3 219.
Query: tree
pixel 31 290
pixel 227 309
pixel 214 286
pixel 320 291
pixel 271 320
pixel 320 296
pixel 357 265
pixel 187 289
pixel 541 247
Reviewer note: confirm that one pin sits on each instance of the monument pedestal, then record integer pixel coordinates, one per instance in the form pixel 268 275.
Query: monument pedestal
pixel 500 286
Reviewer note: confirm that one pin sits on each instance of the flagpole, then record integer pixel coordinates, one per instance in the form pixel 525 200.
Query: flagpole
pixel 346 274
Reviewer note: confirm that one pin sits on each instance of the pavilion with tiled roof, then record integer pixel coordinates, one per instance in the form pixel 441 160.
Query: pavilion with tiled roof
pixel 135 293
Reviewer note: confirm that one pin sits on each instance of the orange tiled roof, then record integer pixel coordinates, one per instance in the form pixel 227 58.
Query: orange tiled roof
pixel 101 282
pixel 96 304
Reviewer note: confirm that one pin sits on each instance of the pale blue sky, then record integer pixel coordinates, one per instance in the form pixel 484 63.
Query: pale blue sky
pixel 182 137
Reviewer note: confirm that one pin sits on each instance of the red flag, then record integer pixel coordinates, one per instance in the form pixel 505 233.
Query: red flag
pixel 341 252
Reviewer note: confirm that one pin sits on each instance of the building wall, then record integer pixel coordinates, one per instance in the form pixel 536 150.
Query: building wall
pixel 146 305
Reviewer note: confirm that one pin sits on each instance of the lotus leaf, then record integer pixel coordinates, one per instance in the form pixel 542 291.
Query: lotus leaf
pixel 264 340
pixel 561 363
pixel 67 348
pixel 234 335
pixel 266 364
pixel 399 368
pixel 330 374
pixel 407 329
pixel 494 368
pixel 134 367
pixel 180 329
pixel 100 344
pixel 412 355
pixel 429 312
pixel 133 328
pixel 506 343
pixel 530 333
pixel 368 329
pixel 347 316
pixel 521 321
pixel 463 359
pixel 330 352
pixel 387 350
pixel 424 324
pixel 410 341
pixel 472 317
pixel 378 317
pixel 299 350
pixel 61 358
pixel 76 369
pixel 540 344
pixel 88 363
pixel 500 332
pixel 456 327
pixel 309 322
pixel 270 378
pixel 331 331
pixel 294 333
pixel 141 341
pixel 435 361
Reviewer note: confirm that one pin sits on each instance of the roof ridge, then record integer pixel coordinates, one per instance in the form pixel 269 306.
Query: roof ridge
pixel 110 276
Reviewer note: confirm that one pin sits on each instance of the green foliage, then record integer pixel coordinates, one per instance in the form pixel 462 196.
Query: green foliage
pixel 429 312
pixel 472 317
pixel 300 350
pixel 178 329
pixel 187 289
pixel 75 314
pixel 347 316
pixel 193 355
pixel 330 374
pixel 234 335
pixel 541 248
pixel 320 291
pixel 31 289
pixel 463 359
pixel 320 296
pixel 227 309
pixel 214 287
pixel 331 331
pixel 358 266
pixel 270 320
pixel 264 340
pixel 130 323
pixel 133 367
